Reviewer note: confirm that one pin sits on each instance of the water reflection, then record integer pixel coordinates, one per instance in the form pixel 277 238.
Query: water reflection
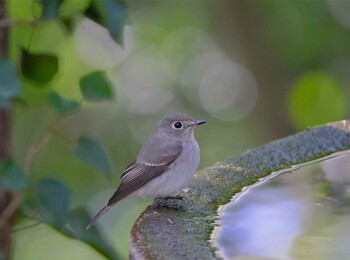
pixel 304 214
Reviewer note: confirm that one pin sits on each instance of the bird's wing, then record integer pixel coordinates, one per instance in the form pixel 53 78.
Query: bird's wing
pixel 139 172
pixel 156 157
pixel 135 176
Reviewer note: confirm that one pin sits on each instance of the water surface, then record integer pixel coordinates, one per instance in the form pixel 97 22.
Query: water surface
pixel 304 214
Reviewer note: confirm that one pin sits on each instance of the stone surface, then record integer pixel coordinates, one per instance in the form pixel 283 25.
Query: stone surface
pixel 163 233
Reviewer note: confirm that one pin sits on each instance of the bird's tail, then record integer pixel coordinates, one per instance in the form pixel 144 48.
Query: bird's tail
pixel 98 215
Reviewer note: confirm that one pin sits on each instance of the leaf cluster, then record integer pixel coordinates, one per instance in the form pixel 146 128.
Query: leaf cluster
pixel 48 200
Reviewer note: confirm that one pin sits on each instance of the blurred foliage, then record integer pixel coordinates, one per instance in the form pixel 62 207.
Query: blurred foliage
pixel 54 198
pixel 95 87
pixel 63 105
pixel 47 199
pixel 312 36
pixel 12 177
pixel 50 8
pixel 316 98
pixel 41 68
pixel 110 13
pixel 306 38
pixel 65 55
pixel 93 153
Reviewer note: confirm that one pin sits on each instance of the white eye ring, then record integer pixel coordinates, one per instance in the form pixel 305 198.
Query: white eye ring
pixel 177 125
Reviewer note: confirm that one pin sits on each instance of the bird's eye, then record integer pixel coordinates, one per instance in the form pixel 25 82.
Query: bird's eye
pixel 177 125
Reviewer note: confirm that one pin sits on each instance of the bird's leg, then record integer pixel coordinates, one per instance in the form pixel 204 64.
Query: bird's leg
pixel 169 202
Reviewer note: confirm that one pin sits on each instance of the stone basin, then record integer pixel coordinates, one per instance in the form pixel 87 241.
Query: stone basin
pixel 162 233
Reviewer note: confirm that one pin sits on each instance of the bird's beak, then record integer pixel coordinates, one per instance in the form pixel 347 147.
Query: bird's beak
pixel 198 122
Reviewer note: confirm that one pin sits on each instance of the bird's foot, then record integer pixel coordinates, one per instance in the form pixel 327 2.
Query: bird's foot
pixel 170 202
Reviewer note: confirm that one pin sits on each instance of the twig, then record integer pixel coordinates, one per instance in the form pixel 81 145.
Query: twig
pixel 54 130
pixel 37 147
pixel 6 22
pixel 10 209
pixel 28 226
pixel 33 150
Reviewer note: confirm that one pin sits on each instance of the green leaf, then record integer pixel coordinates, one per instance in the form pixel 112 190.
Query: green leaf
pixel 63 105
pixel 96 87
pixel 111 14
pixel 50 8
pixel 316 98
pixel 12 176
pixel 9 83
pixel 92 153
pixel 115 15
pixel 39 67
pixel 73 7
pixel 78 220
pixel 54 198
pixel 30 203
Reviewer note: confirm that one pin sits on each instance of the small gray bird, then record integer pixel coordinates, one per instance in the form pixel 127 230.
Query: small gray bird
pixel 165 165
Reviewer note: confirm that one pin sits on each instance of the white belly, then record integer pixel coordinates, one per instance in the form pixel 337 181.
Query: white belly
pixel 177 177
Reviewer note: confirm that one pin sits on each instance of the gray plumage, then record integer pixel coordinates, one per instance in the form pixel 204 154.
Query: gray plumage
pixel 165 164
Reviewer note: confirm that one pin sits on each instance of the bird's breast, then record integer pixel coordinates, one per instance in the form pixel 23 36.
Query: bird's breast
pixel 177 177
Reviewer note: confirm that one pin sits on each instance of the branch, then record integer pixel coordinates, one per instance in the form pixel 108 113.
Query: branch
pixel 7 22
pixel 38 222
pixel 37 147
pixel 11 208
pixel 34 149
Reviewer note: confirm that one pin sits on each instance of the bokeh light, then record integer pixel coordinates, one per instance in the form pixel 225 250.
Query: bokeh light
pixel 340 11
pixel 96 47
pixel 228 91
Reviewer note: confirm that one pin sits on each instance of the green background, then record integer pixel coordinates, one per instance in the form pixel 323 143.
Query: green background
pixel 255 70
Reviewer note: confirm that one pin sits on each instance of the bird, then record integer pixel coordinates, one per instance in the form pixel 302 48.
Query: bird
pixel 165 165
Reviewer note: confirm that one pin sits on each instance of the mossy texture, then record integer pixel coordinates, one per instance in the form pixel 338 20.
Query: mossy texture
pixel 162 233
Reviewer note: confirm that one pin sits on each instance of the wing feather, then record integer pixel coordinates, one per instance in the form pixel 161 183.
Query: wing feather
pixel 138 173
